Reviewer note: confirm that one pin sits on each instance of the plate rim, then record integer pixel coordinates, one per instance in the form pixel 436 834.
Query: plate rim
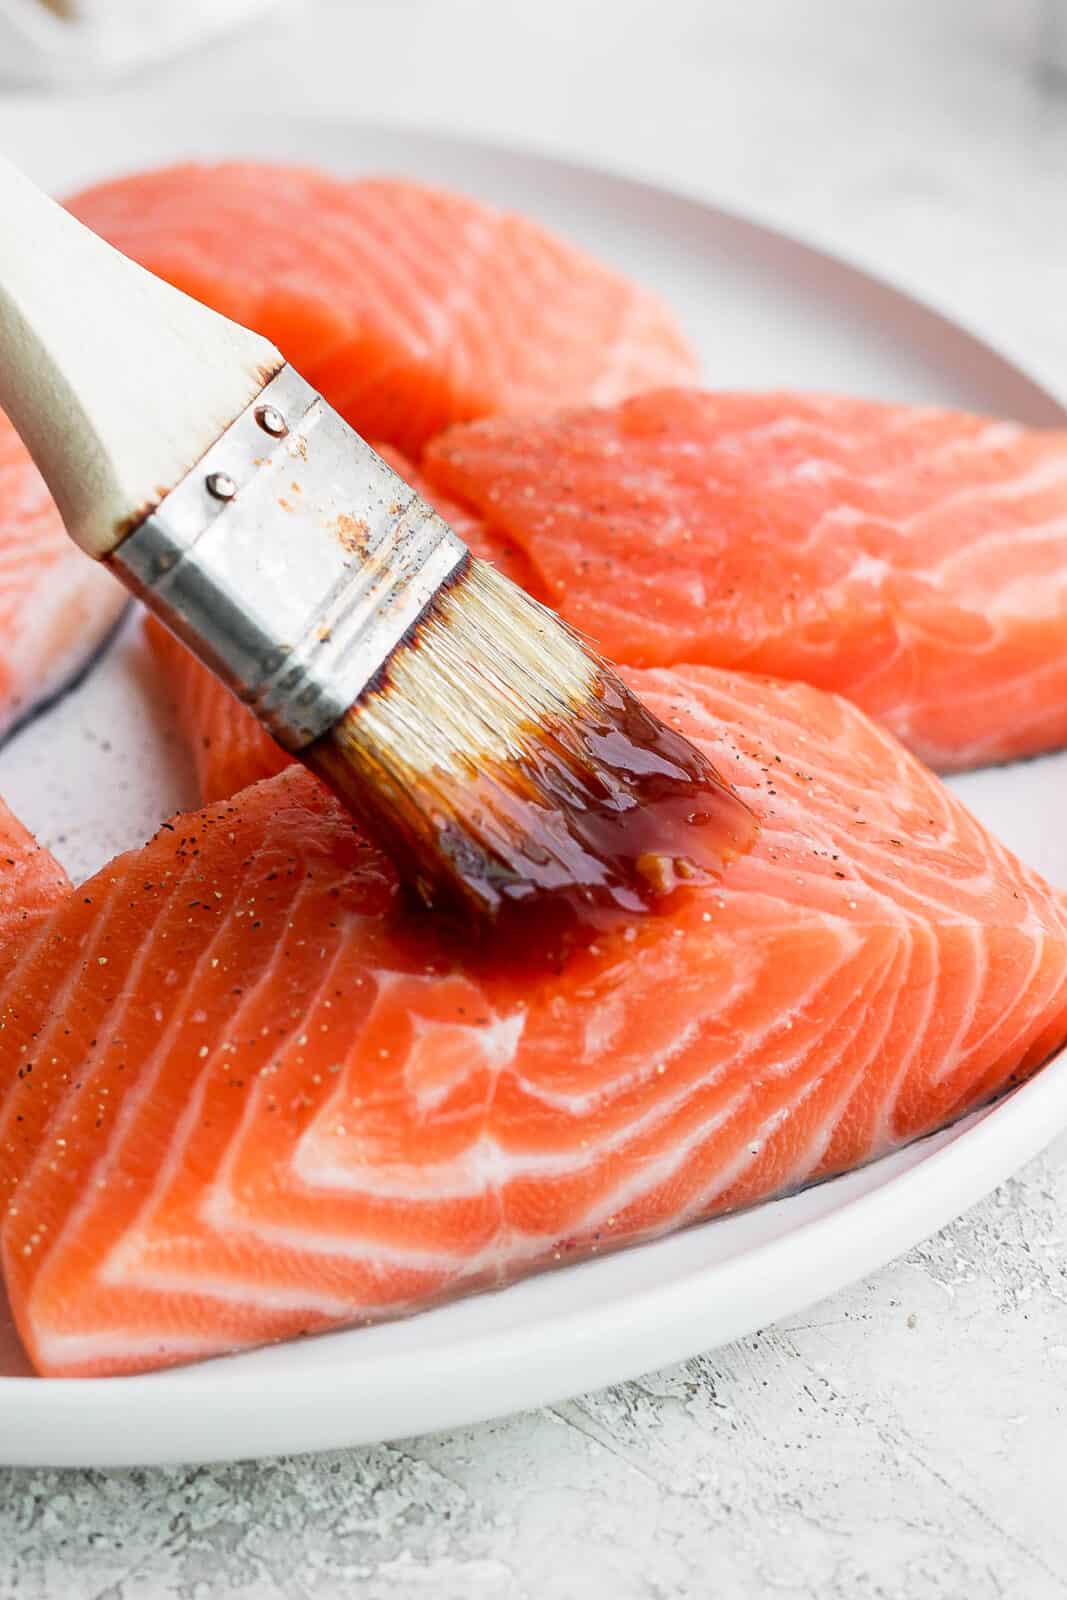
pixel 979 1153
pixel 626 175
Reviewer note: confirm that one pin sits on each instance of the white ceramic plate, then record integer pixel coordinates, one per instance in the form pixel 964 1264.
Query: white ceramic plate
pixel 103 767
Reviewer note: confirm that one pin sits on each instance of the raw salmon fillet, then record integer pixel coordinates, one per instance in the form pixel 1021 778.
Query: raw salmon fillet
pixel 56 605
pixel 230 748
pixel 32 883
pixel 266 1099
pixel 407 306
pixel 914 560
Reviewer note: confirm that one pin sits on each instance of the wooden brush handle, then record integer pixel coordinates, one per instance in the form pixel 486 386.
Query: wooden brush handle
pixel 117 382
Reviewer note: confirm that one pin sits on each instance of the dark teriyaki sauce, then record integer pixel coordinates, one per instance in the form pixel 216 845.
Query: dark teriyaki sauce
pixel 607 817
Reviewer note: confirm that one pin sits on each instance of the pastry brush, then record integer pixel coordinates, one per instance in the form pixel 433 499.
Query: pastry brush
pixel 500 762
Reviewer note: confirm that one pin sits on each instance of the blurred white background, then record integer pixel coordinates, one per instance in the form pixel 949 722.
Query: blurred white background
pixel 926 139
pixel 922 138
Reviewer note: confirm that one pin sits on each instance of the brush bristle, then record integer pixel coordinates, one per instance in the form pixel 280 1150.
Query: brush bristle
pixel 501 763
pixel 487 668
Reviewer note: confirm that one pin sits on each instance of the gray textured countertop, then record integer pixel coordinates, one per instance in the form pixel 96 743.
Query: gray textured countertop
pixel 905 1438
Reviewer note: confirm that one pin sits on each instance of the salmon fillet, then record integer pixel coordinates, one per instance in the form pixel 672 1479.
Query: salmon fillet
pixel 32 883
pixel 265 1098
pixel 56 605
pixel 407 306
pixel 914 560
pixel 230 748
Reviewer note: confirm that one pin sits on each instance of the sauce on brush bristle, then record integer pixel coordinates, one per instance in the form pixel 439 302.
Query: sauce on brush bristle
pixel 610 816
pixel 607 816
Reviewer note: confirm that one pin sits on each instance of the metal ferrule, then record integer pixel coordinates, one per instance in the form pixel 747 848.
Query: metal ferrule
pixel 291 559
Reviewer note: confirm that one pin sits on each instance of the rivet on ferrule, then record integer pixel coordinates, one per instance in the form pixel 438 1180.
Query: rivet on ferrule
pixel 261 584
pixel 271 421
pixel 221 485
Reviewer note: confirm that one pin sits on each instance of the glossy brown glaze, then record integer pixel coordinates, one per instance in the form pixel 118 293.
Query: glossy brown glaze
pixel 602 817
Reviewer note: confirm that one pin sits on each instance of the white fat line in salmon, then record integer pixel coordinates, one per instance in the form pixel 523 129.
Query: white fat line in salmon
pixel 96 1347
pixel 145 1084
pixel 223 1214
